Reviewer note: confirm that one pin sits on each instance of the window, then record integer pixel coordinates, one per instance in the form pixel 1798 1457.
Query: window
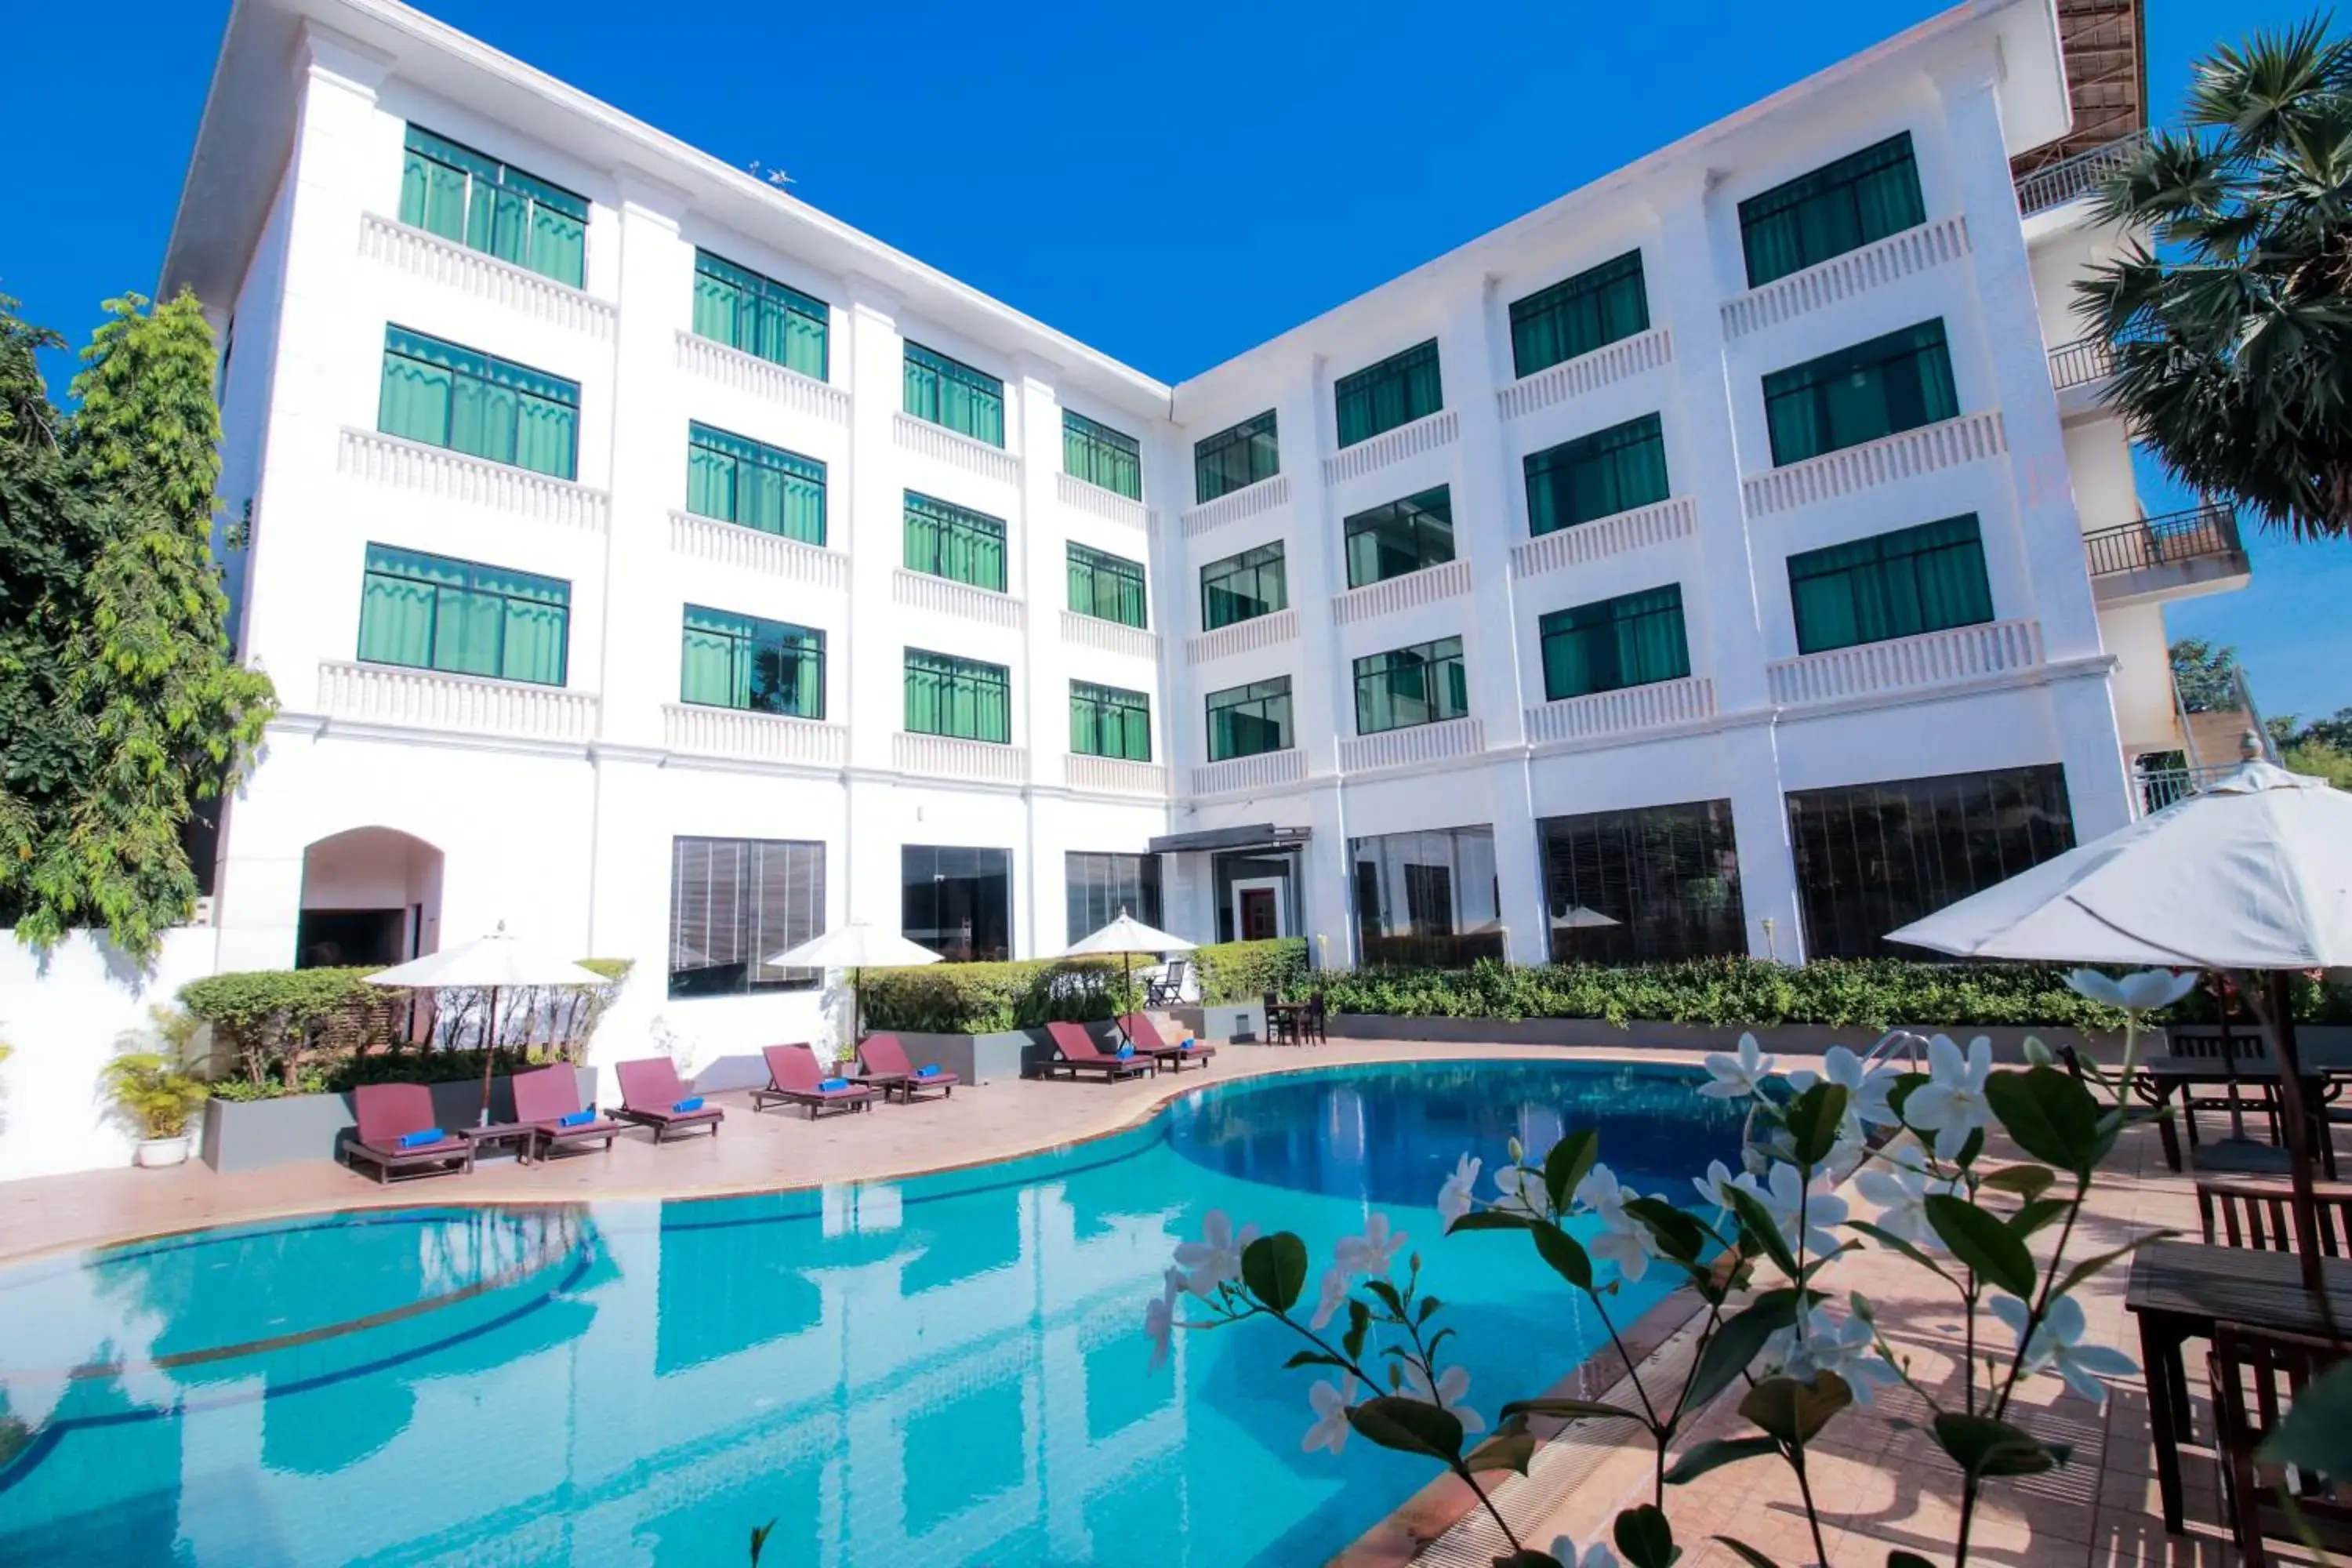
pixel 1873 858
pixel 1631 641
pixel 1107 722
pixel 1424 684
pixel 1398 390
pixel 955 542
pixel 428 612
pixel 1587 311
pixel 734 903
pixel 486 205
pixel 1899 382
pixel 1244 588
pixel 1101 456
pixel 1655 885
pixel 1235 460
pixel 750 482
pixel 1896 585
pixel 1427 897
pixel 1244 720
pixel 950 392
pixel 1402 536
pixel 742 661
pixel 1838 208
pixel 444 396
pixel 956 901
pixel 1108 587
pixel 1597 476
pixel 738 307
pixel 1100 888
pixel 958 697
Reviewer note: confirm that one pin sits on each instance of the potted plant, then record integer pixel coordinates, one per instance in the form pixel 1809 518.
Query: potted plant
pixel 159 1097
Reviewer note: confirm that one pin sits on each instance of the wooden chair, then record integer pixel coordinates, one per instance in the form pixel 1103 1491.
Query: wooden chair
pixel 1281 1024
pixel 2168 1131
pixel 2256 1377
pixel 1311 1023
pixel 2262 1218
pixel 1168 991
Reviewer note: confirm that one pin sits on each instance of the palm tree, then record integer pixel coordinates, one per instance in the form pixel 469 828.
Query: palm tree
pixel 2229 312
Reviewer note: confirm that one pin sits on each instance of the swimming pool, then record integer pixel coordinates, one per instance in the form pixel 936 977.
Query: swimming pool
pixel 944 1370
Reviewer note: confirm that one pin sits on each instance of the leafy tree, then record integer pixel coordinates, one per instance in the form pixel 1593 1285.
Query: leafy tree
pixel 2205 676
pixel 2232 331
pixel 2289 731
pixel 2318 757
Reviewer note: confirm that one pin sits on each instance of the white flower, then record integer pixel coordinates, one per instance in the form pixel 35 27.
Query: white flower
pixel 1623 1240
pixel 1159 1318
pixel 1522 1191
pixel 1865 1086
pixel 2136 992
pixel 1451 1385
pixel 1783 1195
pixel 1216 1256
pixel 1331 1402
pixel 1335 1290
pixel 1454 1198
pixel 1736 1078
pixel 1845 1346
pixel 2057 1346
pixel 1716 1185
pixel 1370 1252
pixel 1596 1555
pixel 1952 1103
pixel 1902 1195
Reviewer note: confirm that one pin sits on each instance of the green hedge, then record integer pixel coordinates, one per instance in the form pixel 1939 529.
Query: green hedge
pixel 988 998
pixel 1246 971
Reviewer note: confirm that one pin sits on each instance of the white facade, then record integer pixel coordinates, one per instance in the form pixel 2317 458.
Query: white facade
pixel 463 801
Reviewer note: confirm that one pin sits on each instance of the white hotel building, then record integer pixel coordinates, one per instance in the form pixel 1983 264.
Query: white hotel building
pixel 1728 556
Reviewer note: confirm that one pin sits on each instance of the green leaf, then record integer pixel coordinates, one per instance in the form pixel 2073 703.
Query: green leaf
pixel 1312 1358
pixel 2027 1182
pixel 1388 1295
pixel 1904 1083
pixel 1763 1235
pixel 2030 1217
pixel 1748 1555
pixel 1813 1120
pixel 1408 1427
pixel 1570 1409
pixel 1791 1411
pixel 1983 1243
pixel 1679 1236
pixel 1275 1269
pixel 1359 1323
pixel 2316 1435
pixel 2047 1114
pixel 1428 1305
pixel 1983 1447
pixel 1736 1342
pixel 1489 1219
pixel 1510 1448
pixel 760 1541
pixel 1566 1255
pixel 1971 1149
pixel 1700 1458
pixel 1644 1539
pixel 1567 1164
pixel 2090 1266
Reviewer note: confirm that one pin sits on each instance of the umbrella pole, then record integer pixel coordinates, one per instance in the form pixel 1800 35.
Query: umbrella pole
pixel 2272 988
pixel 489 1042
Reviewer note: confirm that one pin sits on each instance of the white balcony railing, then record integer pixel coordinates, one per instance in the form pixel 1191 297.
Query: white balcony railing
pixel 754 737
pixel 1267 770
pixel 471 704
pixel 1904 456
pixel 1427 434
pixel 1109 637
pixel 753 550
pixel 449 476
pixel 1389 594
pixel 1843 277
pixel 1243 637
pixel 1587 372
pixel 1903 663
pixel 942 445
pixel 761 378
pixel 2056 185
pixel 944 757
pixel 1412 746
pixel 485 277
pixel 1659 706
pixel 1115 774
pixel 921 591
pixel 1605 536
pixel 1075 492
pixel 1234 506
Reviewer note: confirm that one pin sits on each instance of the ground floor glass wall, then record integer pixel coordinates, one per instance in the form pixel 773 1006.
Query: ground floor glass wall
pixel 1647 886
pixel 1427 897
pixel 957 901
pixel 1100 888
pixel 734 903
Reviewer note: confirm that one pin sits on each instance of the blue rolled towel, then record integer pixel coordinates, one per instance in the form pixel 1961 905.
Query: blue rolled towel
pixel 1188 1043
pixel 692 1102
pixel 577 1118
pixel 420 1138
pixel 830 1084
pixel 929 1069
pixel 1125 1052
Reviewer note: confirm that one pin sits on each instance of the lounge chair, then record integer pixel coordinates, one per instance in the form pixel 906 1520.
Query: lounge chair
pixel 794 1079
pixel 393 1120
pixel 1077 1053
pixel 652 1097
pixel 885 1066
pixel 1150 1042
pixel 1168 989
pixel 548 1099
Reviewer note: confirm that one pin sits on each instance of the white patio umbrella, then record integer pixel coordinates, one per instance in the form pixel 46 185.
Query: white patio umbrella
pixel 496 962
pixel 2253 873
pixel 1125 937
pixel 857 947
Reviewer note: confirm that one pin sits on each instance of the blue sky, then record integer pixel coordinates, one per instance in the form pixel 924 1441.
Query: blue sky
pixel 1169 184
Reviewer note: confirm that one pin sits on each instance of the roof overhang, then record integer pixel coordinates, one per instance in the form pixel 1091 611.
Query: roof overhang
pixel 1259 835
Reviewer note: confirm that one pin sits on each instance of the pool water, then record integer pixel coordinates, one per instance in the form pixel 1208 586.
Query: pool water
pixel 945 1369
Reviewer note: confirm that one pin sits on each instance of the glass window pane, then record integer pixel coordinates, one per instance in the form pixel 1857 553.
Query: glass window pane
pixel 1585 312
pixel 1235 458
pixel 1397 391
pixel 756 314
pixel 1427 897
pixel 1891 383
pixel 734 903
pixel 1841 207
pixel 1657 885
pixel 1617 470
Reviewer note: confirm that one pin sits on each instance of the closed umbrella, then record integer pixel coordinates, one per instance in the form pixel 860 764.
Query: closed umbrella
pixel 857 947
pixel 495 962
pixel 1125 937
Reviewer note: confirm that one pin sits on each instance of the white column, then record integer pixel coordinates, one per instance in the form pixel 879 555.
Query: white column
pixel 871 685
pixel 1322 705
pixel 1038 571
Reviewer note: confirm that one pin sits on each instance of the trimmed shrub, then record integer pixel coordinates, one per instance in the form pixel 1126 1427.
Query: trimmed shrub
pixel 276 1025
pixel 988 998
pixel 1246 971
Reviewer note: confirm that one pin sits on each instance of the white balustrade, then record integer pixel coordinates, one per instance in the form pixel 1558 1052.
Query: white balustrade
pixel 1115 774
pixel 1587 372
pixel 484 275
pixel 1901 664
pixel 754 737
pixel 754 550
pixel 1243 637
pixel 1267 770
pixel 1605 536
pixel 1075 492
pixel 453 476
pixel 1907 455
pixel 921 591
pixel 1412 746
pixel 1389 594
pixel 942 445
pixel 1235 505
pixel 1427 434
pixel 1110 637
pixel 1657 706
pixel 435 699
pixel 1843 277
pixel 945 757
pixel 761 378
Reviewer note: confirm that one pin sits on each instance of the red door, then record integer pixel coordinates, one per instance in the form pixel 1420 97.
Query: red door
pixel 1260 920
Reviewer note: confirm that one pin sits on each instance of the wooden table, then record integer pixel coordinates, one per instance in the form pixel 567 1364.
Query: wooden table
pixel 522 1134
pixel 1283 1018
pixel 2178 1290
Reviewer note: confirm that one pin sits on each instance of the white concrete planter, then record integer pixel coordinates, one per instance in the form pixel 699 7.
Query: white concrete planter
pixel 152 1154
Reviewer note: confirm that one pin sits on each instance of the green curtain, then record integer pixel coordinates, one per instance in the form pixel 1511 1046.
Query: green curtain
pixel 713 672
pixel 950 392
pixel 746 310
pixel 1101 456
pixel 1107 721
pixel 1597 476
pixel 430 611
pixel 486 205
pixel 1841 207
pixel 396 612
pixel 546 436
pixel 1898 381
pixel 754 485
pixel 449 396
pixel 1589 310
pixel 1108 587
pixel 1915 580
pixel 1397 391
pixel 1631 641
pixel 416 399
pixel 961 698
pixel 951 541
pixel 432 195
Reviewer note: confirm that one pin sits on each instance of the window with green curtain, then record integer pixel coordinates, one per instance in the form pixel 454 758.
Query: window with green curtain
pixel 1899 382
pixel 1597 476
pixel 950 392
pixel 1898 584
pixel 737 480
pixel 1632 641
pixel 1424 684
pixel 1838 208
pixel 1101 456
pixel 957 697
pixel 743 661
pixel 1107 721
pixel 1589 310
pixel 1108 587
pixel 450 189
pixel 1242 587
pixel 1235 458
pixel 955 542
pixel 776 322
pixel 1244 720
pixel 429 612
pixel 1402 536
pixel 445 395
pixel 1398 390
